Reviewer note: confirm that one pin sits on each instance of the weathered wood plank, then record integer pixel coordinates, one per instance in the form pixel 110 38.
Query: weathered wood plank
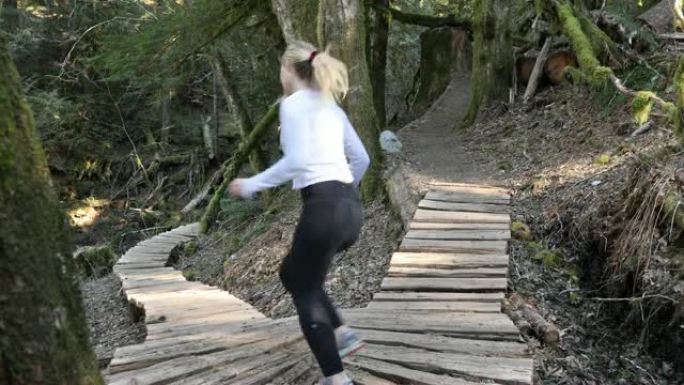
pixel 475 325
pixel 457 226
pixel 468 207
pixel 496 297
pixel 456 197
pixel 435 260
pixel 511 371
pixel 182 367
pixel 434 306
pixel 438 245
pixel 403 374
pixel 419 272
pixel 423 215
pixel 446 344
pixel 472 189
pixel 444 284
pixel 475 235
pixel 362 377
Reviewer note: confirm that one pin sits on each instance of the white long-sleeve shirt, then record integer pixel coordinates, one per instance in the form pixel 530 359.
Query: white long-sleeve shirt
pixel 318 142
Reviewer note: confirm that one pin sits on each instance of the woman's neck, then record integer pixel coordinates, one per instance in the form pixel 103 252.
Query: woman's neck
pixel 296 85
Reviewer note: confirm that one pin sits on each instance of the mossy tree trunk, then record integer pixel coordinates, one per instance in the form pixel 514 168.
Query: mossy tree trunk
pixel 341 23
pixel 345 30
pixel 493 55
pixel 379 61
pixel 43 334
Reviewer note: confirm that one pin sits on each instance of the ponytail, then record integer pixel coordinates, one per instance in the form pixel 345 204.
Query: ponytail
pixel 319 68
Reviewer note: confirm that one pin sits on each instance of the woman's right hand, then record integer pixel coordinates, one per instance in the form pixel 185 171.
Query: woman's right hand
pixel 235 188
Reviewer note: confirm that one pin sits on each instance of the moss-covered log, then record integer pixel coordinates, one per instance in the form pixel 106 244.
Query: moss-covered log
pixel 43 334
pixel 493 55
pixel 240 156
pixel 598 75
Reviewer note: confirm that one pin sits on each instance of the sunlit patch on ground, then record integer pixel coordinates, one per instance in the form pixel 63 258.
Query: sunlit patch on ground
pixel 87 212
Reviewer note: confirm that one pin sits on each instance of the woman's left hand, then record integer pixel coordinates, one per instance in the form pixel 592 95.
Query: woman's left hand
pixel 235 188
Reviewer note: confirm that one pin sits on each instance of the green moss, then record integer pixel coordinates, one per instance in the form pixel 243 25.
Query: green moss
pixel 551 259
pixel 190 275
pixel 190 248
pixel 603 159
pixel 520 231
pixel 641 106
pixel 95 260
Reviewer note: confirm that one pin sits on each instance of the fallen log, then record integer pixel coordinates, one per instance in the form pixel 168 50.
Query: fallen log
pixel 537 71
pixel 543 330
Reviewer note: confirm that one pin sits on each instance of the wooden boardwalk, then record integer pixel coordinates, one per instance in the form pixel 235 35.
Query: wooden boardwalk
pixel 436 321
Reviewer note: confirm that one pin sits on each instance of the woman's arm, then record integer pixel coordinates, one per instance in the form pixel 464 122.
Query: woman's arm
pixel 354 150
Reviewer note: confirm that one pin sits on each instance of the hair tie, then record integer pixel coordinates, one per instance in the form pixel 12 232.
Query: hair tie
pixel 312 56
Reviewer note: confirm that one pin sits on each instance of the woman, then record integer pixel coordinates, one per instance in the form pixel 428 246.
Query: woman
pixel 317 139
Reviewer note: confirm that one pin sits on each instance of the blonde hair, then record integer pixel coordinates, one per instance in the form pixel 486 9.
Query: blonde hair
pixel 320 69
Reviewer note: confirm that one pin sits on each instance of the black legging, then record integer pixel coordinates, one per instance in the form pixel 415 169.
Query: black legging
pixel 330 222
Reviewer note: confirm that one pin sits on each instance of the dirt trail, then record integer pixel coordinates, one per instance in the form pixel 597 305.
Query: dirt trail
pixel 433 146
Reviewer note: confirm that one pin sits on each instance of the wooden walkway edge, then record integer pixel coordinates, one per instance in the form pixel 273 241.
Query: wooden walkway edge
pixel 436 321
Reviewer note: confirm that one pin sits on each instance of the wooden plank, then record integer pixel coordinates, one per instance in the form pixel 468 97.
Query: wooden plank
pixel 423 215
pixel 438 297
pixel 182 367
pixel 460 206
pixel 266 373
pixel 510 371
pixel 456 197
pixel 434 306
pixel 438 245
pixel 296 372
pixel 145 355
pixel 404 375
pixel 457 226
pixel 439 183
pixel 475 325
pixel 447 344
pixel 419 272
pixel 444 284
pixel 448 260
pixel 362 377
pixel 471 189
pixel 478 235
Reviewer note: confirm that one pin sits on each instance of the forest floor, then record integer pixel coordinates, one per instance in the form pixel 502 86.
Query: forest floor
pixel 567 159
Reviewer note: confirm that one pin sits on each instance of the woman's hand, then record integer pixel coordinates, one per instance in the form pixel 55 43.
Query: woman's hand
pixel 235 188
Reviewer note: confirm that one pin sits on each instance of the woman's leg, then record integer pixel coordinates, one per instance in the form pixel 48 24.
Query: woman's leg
pixel 303 274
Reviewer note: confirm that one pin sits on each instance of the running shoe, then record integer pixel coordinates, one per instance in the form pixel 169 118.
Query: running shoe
pixel 349 343
pixel 327 381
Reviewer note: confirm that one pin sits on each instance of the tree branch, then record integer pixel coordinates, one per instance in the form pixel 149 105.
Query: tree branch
pixel 424 20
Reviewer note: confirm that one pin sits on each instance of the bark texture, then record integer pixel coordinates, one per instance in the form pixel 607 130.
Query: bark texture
pixel 379 62
pixel 493 55
pixel 342 25
pixel 43 335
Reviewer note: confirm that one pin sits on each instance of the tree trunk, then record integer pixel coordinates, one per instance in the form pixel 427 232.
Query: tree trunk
pixel 423 20
pixel 43 334
pixel 342 21
pixel 300 20
pixel 165 117
pixel 237 107
pixel 379 62
pixel 345 25
pixel 10 15
pixel 493 56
